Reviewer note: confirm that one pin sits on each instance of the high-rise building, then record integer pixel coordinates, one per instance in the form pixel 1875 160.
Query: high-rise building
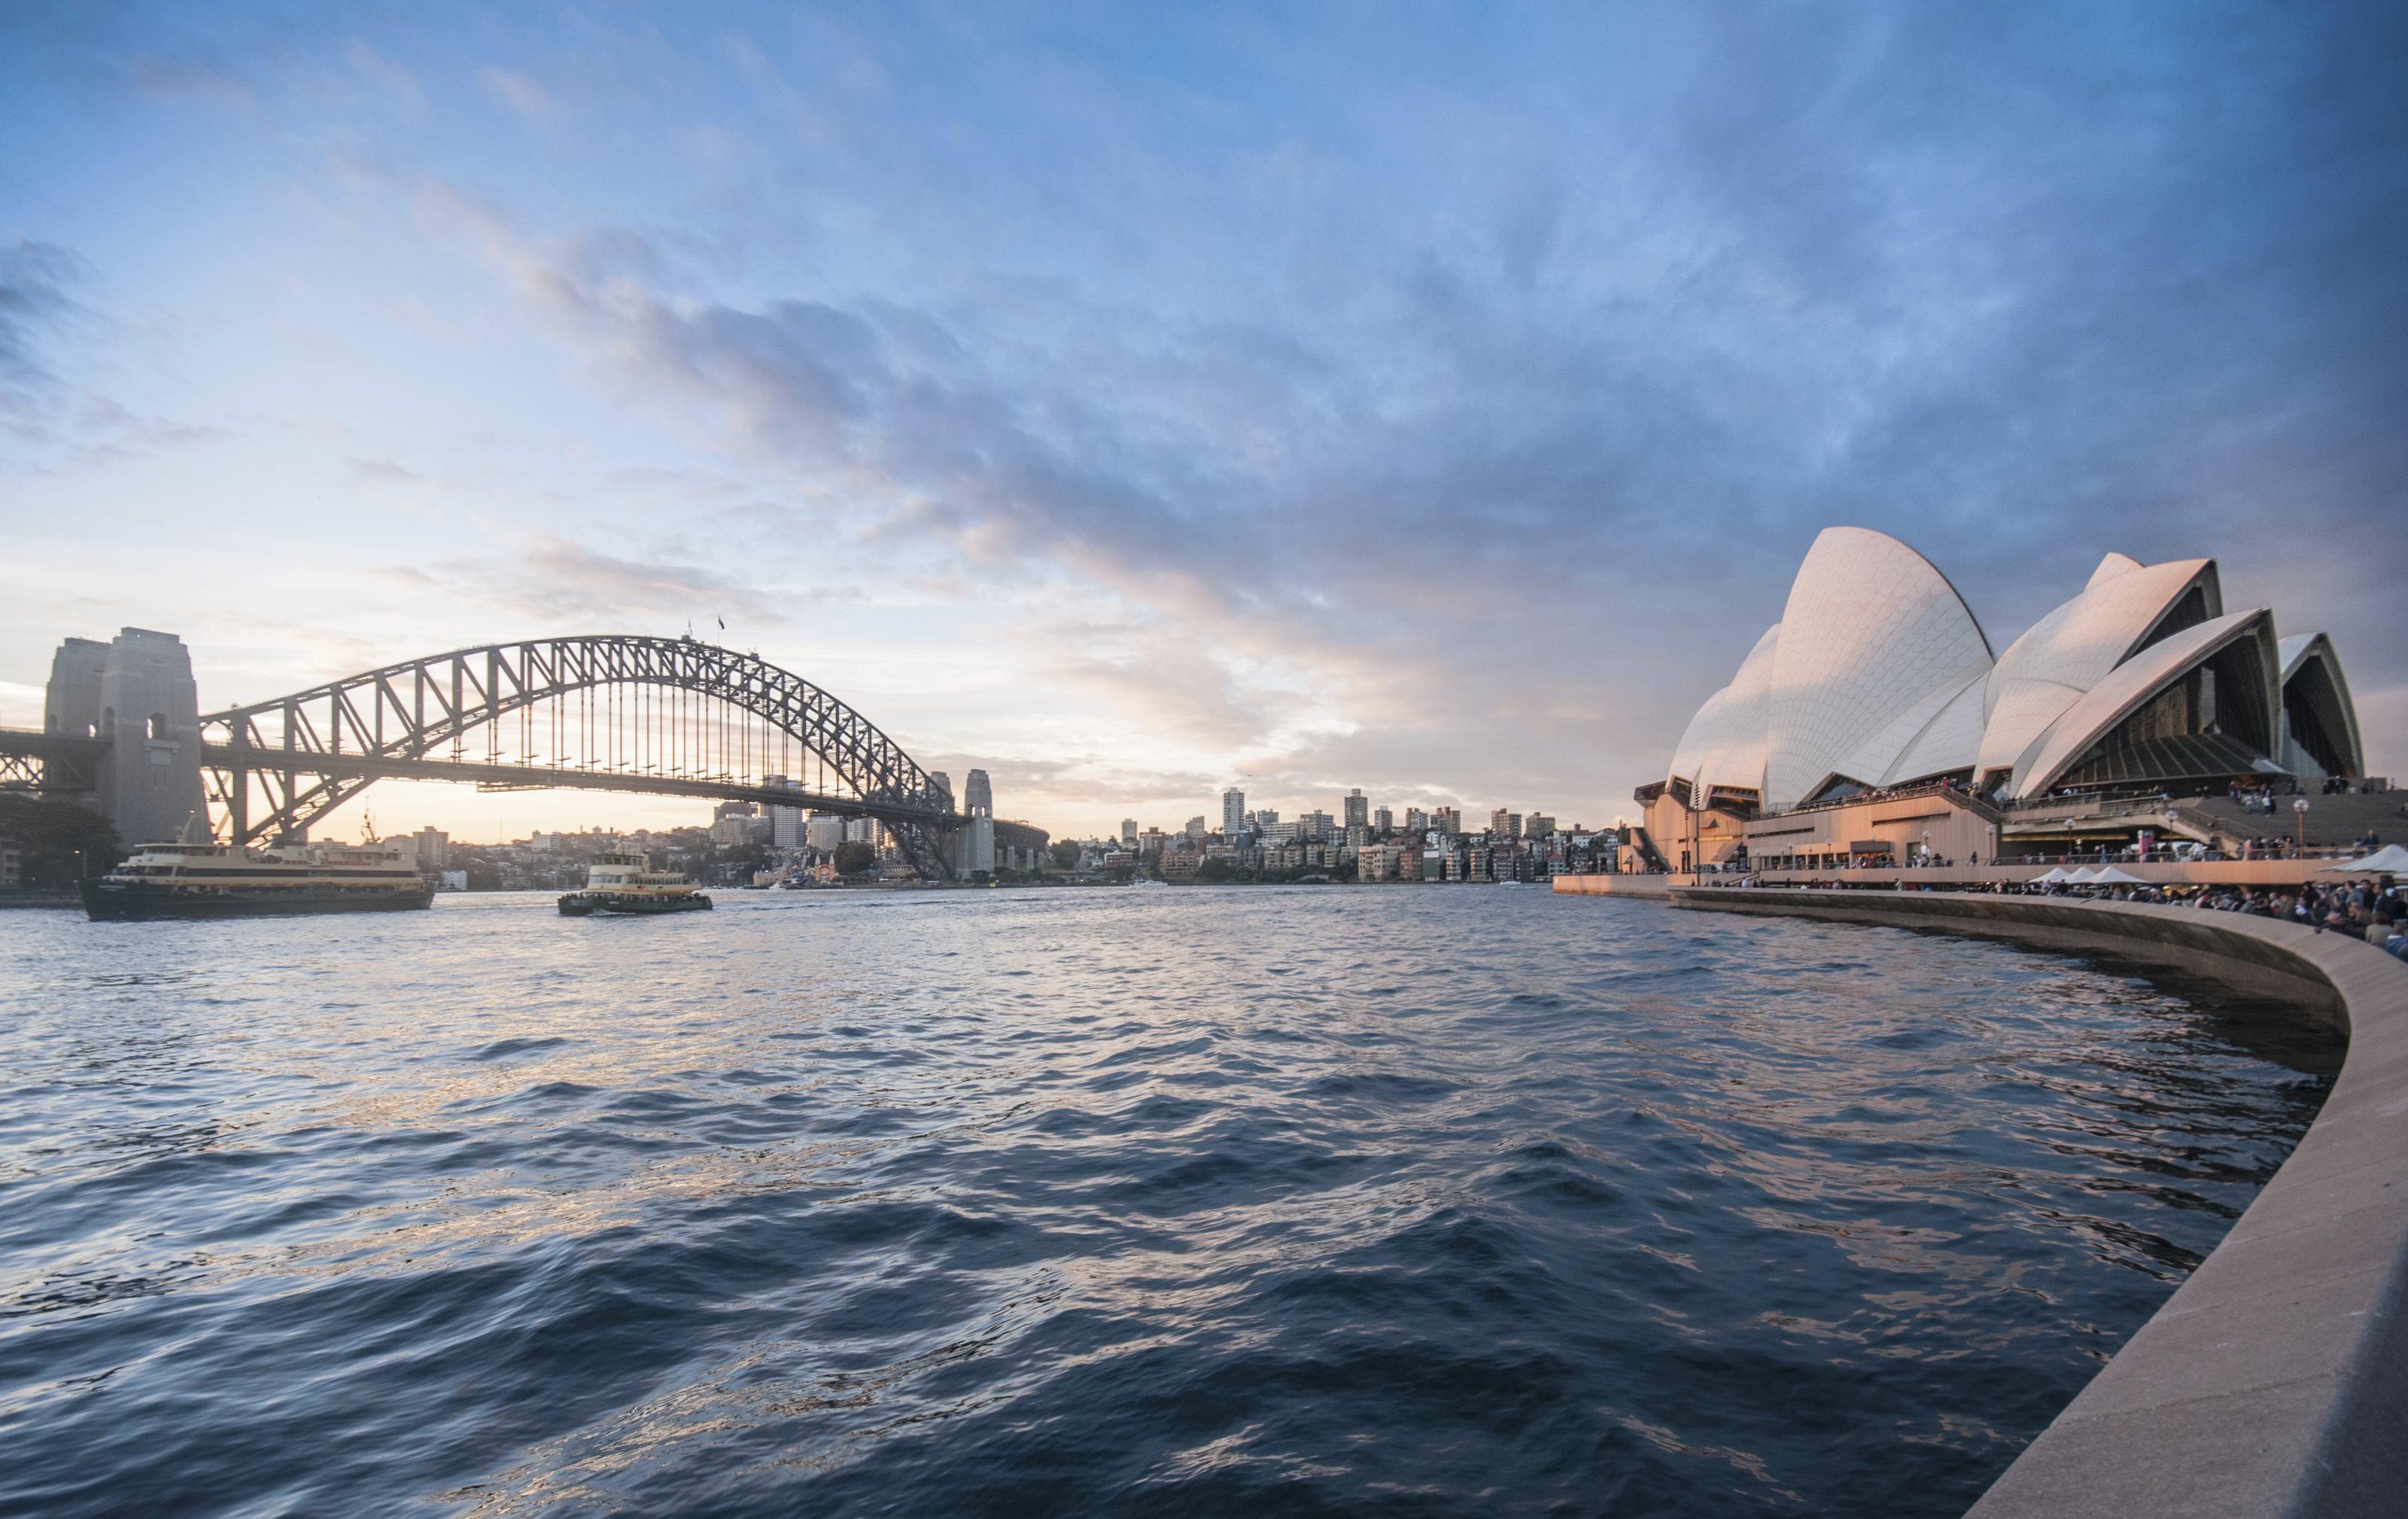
pixel 1358 809
pixel 1317 826
pixel 1382 820
pixel 1537 826
pixel 1233 814
pixel 1504 825
pixel 823 831
pixel 1416 820
pixel 785 823
pixel 1447 821
pixel 1128 830
pixel 1196 830
pixel 731 824
pixel 1266 816
pixel 434 848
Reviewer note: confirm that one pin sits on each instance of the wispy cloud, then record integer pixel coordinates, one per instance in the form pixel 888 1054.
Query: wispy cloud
pixel 531 102
pixel 1430 432
pixel 558 582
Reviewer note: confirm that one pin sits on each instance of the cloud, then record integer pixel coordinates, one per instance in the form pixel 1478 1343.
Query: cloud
pixel 518 93
pixel 34 303
pixel 559 582
pixel 384 77
pixel 184 79
pixel 385 472
pixel 1400 438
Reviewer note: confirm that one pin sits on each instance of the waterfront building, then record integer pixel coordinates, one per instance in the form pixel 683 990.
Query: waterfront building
pixel 12 864
pixel 1377 862
pixel 1357 809
pixel 1874 722
pixel 1233 814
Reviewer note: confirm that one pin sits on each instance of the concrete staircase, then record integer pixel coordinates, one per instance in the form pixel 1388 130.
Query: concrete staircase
pixel 2332 820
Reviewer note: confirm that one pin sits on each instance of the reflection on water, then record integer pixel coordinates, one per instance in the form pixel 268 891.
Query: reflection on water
pixel 1435 1201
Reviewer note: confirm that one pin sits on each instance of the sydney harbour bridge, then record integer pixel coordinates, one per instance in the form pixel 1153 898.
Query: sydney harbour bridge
pixel 673 717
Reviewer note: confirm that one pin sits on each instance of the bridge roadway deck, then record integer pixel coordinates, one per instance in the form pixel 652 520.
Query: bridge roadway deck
pixel 2276 1379
pixel 542 776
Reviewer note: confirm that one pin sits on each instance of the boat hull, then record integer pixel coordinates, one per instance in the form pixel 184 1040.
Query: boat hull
pixel 125 901
pixel 613 904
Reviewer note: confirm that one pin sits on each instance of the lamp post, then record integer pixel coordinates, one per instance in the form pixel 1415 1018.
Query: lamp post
pixel 2299 810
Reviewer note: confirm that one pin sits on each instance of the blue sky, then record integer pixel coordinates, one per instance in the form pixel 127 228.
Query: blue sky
pixel 1135 400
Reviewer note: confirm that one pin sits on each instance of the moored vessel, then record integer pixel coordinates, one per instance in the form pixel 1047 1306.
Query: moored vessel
pixel 197 876
pixel 625 884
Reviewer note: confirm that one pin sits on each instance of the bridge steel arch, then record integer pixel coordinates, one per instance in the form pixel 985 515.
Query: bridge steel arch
pixel 314 750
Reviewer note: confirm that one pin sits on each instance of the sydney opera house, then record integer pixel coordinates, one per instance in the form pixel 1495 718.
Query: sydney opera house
pixel 1878 686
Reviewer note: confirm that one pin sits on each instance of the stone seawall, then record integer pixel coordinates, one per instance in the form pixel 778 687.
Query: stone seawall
pixel 2276 1379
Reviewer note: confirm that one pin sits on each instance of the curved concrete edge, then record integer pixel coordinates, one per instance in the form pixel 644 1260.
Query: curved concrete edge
pixel 2276 1379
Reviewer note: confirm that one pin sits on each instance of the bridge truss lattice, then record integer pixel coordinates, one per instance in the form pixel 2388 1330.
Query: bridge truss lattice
pixel 612 711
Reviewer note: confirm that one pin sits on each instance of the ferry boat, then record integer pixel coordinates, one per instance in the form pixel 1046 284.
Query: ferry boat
pixel 197 876
pixel 624 884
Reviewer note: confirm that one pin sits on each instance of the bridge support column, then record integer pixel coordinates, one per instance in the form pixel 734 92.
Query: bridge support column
pixel 238 804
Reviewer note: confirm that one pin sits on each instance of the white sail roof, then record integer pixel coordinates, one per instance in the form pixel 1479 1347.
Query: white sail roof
pixel 1948 743
pixel 2112 566
pixel 1871 633
pixel 2120 693
pixel 2065 654
pixel 1737 756
pixel 1704 731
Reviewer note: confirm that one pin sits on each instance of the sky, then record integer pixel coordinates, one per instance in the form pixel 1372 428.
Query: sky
pixel 1138 401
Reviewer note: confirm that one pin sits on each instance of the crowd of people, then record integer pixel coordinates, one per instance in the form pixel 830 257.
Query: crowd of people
pixel 2374 910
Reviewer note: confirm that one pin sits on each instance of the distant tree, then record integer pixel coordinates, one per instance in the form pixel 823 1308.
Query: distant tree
pixel 855 858
pixel 743 858
pixel 59 839
pixel 1065 855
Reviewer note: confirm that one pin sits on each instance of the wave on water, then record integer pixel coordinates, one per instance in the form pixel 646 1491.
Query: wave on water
pixel 1202 1201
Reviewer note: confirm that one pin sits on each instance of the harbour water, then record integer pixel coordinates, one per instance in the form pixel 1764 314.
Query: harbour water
pixel 1200 1201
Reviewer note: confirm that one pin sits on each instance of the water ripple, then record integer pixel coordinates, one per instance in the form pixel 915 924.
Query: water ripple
pixel 1198 1201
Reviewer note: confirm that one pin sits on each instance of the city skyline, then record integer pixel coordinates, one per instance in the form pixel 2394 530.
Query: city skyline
pixel 1428 412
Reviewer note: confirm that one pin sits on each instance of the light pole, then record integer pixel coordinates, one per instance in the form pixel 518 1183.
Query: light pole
pixel 2299 810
